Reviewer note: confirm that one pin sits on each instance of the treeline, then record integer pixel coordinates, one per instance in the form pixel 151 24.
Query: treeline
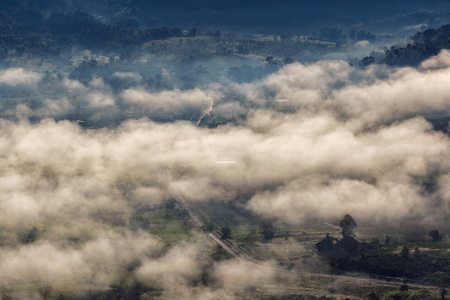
pixel 420 47
pixel 336 34
pixel 26 31
pixel 91 32
pixel 348 254
pixel 374 259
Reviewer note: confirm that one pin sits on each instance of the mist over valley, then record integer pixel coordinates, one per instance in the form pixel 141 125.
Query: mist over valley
pixel 224 150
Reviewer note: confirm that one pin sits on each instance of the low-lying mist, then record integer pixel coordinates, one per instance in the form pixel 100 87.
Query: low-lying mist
pixel 318 140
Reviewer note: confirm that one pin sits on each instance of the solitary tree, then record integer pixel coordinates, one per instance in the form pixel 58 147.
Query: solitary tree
pixel 347 225
pixel 405 252
pixel 288 60
pixel 217 35
pixel 269 59
pixel 435 236
pixel 45 290
pixel 32 235
pixel 373 296
pixel 267 229
pixel 226 232
pixel 333 265
pixel 192 32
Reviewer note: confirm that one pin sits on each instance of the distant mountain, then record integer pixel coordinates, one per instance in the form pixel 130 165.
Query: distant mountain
pixel 411 22
pixel 267 16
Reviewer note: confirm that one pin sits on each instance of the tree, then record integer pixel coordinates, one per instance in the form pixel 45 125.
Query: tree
pixel 288 60
pixel 286 37
pixel 267 229
pixel 361 35
pixel 347 225
pixel 350 245
pixel 192 32
pixel 286 236
pixel 269 59
pixel 331 33
pixel 373 296
pixel 416 252
pixel 208 226
pixel 45 290
pixel 129 22
pixel 333 264
pixel 368 60
pixel 435 236
pixel 405 252
pixel 226 232
pixel 363 249
pixel 216 35
pixel 326 245
pixel 32 235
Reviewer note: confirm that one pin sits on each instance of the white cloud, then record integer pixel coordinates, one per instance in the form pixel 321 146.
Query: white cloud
pixel 442 60
pixel 19 76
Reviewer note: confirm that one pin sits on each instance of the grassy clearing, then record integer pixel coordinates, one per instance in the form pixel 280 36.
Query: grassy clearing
pixel 165 225
pixel 160 217
pixel 241 232
pixel 172 234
